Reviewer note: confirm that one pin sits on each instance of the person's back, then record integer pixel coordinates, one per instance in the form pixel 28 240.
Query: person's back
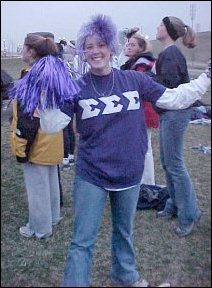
pixel 171 67
pixel 39 152
pixel 171 71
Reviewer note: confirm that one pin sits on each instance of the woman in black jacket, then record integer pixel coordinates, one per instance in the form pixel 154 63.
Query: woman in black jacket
pixel 171 71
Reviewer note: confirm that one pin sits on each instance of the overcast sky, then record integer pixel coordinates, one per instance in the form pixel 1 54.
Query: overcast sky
pixel 63 18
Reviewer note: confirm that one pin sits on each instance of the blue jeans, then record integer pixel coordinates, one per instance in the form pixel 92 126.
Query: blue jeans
pixel 89 203
pixel 182 201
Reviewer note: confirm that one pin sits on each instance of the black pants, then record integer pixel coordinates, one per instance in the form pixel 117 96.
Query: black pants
pixel 69 139
pixel 60 186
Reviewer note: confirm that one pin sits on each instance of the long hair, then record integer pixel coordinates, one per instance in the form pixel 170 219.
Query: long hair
pixel 48 83
pixel 42 46
pixel 184 31
pixel 143 43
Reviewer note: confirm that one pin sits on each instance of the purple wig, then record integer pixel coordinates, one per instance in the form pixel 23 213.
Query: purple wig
pixel 103 26
pixel 47 85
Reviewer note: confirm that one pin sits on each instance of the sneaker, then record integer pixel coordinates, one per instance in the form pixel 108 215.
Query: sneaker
pixel 26 231
pixel 165 215
pixel 29 233
pixel 184 230
pixel 71 159
pixel 42 236
pixel 139 283
pixel 65 165
pixel 54 223
pixel 164 285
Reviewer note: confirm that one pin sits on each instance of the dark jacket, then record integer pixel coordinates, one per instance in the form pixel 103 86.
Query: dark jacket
pixel 133 62
pixel 144 62
pixel 171 68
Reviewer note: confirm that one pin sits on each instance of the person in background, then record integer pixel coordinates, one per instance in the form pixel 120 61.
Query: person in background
pixel 39 152
pixel 68 131
pixel 6 83
pixel 141 59
pixel 72 59
pixel 78 67
pixel 60 47
pixel 112 146
pixel 123 56
pixel 171 71
pixel 69 146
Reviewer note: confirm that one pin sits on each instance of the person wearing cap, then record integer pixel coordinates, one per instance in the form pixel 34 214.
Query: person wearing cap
pixel 41 87
pixel 171 71
pixel 111 153
pixel 68 131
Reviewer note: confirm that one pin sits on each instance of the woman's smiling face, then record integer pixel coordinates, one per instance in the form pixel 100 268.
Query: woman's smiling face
pixel 98 54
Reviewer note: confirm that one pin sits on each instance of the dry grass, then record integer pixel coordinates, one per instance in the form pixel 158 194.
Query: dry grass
pixel 161 255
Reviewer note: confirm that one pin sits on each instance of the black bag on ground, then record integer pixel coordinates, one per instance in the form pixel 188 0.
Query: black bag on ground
pixel 152 197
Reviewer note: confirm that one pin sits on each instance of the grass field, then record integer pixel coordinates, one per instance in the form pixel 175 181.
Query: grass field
pixel 161 255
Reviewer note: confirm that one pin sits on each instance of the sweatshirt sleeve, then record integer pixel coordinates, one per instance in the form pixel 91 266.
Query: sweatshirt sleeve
pixel 185 94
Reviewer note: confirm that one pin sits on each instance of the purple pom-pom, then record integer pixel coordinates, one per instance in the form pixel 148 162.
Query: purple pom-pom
pixel 47 85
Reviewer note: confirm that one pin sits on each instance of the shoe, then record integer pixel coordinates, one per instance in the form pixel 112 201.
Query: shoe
pixel 42 236
pixel 71 159
pixel 29 233
pixel 54 223
pixel 65 165
pixel 26 231
pixel 164 285
pixel 165 215
pixel 139 283
pixel 71 162
pixel 184 230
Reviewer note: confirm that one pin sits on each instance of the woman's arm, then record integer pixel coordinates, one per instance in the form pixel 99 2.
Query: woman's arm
pixel 185 94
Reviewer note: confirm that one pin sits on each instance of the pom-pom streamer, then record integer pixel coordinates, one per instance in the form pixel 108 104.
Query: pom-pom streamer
pixel 46 86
